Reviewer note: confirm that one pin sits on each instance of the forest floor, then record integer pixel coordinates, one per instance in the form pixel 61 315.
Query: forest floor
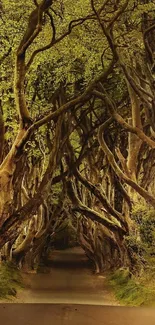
pixel 67 278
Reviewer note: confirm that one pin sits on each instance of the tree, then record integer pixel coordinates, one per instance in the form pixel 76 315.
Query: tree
pixel 85 124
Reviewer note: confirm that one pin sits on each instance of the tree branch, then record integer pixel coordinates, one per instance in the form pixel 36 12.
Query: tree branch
pixel 148 197
pixel 2 131
pixel 122 122
pixel 102 198
pixel 54 41
pixel 89 213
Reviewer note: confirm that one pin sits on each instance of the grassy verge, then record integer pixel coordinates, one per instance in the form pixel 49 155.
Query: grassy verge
pixel 10 280
pixel 131 291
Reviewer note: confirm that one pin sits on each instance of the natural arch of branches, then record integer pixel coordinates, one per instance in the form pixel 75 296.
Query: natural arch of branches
pixel 89 159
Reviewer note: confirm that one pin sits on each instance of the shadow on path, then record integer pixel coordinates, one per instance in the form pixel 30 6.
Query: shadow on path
pixel 67 278
pixel 70 294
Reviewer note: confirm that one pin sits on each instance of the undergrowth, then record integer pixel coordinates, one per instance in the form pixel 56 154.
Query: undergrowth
pixel 131 291
pixel 10 280
pixel 138 288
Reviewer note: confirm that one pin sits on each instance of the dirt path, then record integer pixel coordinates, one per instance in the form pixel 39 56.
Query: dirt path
pixel 70 294
pixel 68 279
pixel 60 314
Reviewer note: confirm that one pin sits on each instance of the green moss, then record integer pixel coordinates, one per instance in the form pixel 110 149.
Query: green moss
pixel 10 280
pixel 129 291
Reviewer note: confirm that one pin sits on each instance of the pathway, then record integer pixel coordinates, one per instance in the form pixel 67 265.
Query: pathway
pixel 67 278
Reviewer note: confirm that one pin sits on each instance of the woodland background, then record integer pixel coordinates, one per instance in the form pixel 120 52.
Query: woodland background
pixel 77 131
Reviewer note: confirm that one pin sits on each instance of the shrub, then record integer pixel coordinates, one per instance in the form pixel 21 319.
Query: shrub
pixel 130 292
pixel 10 280
pixel 145 217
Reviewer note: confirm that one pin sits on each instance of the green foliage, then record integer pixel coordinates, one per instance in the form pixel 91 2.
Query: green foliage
pixel 56 192
pixel 73 62
pixel 10 280
pixel 145 217
pixel 136 248
pixel 129 291
pixel 141 242
pixel 75 141
pixel 147 229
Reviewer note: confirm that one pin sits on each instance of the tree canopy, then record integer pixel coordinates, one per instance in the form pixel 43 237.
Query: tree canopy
pixel 77 124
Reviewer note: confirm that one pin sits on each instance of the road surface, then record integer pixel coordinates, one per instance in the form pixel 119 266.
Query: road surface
pixel 67 278
pixel 68 293
pixel 63 314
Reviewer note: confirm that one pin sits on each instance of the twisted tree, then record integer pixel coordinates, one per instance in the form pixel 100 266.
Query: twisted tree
pixel 77 126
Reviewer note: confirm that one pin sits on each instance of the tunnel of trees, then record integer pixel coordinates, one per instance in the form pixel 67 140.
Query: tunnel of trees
pixel 77 129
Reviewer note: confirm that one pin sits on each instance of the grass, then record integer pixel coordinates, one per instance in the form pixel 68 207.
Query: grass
pixel 10 280
pixel 131 291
